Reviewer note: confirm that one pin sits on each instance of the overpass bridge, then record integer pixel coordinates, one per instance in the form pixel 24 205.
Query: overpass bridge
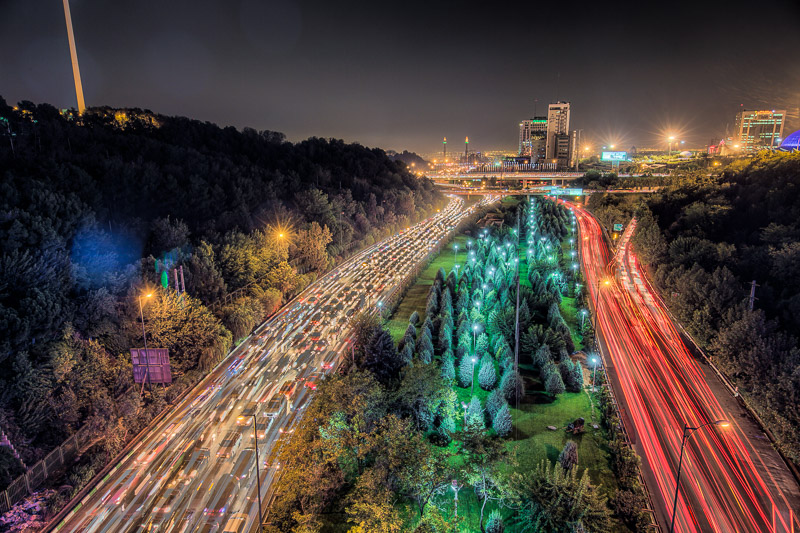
pixel 526 178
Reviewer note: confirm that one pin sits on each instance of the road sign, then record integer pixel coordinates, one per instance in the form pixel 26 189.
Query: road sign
pixel 614 156
pixel 151 367
pixel 617 227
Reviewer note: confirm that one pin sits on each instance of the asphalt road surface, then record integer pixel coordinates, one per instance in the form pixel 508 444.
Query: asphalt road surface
pixel 195 470
pixel 731 480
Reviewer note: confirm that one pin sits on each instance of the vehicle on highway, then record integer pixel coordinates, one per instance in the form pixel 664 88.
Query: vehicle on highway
pixel 235 523
pixel 230 443
pixel 221 497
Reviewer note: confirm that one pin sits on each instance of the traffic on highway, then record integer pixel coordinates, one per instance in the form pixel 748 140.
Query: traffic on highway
pixel 731 478
pixel 195 468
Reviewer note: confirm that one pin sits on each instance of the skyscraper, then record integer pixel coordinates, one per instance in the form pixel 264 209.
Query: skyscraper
pixel 532 138
pixel 557 124
pixel 759 130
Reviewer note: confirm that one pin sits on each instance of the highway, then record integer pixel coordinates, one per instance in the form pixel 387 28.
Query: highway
pixel 195 470
pixel 731 480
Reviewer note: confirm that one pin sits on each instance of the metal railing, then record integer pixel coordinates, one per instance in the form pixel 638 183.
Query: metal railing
pixel 37 474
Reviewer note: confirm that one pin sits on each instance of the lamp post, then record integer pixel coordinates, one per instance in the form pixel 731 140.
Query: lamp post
pixel 474 337
pixel 594 372
pixel 583 316
pixel 722 423
pixel 144 337
pixel 474 360
pixel 455 253
pixel 669 145
pixel 464 405
pixel 258 475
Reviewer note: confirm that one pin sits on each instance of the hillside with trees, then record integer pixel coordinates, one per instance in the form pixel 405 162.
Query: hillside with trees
pixel 98 211
pixel 705 241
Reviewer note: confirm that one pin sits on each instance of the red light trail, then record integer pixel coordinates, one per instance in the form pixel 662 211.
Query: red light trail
pixel 726 483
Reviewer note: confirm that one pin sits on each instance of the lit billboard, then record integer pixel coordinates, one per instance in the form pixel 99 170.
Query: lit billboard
pixel 151 366
pixel 615 156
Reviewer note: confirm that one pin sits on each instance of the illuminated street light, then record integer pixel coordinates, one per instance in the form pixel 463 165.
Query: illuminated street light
pixel 474 360
pixel 721 423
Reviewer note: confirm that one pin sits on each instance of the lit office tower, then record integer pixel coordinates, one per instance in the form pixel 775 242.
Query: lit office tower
pixel 532 138
pixel 557 125
pixel 759 130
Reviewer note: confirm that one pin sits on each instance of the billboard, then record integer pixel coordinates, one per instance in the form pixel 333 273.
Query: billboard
pixel 151 366
pixel 561 191
pixel 614 156
pixel 617 227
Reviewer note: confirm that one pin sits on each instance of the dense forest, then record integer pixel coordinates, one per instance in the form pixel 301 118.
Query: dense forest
pixel 99 211
pixel 705 240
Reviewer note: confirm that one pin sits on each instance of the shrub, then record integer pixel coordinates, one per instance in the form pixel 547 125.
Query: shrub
pixel 495 523
pixel 512 385
pixel 569 455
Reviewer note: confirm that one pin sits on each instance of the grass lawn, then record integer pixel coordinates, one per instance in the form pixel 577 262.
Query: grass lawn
pixel 417 296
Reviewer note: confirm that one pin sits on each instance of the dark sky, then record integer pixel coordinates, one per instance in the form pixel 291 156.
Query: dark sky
pixel 402 75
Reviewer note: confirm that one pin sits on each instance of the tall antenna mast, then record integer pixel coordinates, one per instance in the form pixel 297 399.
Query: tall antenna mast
pixel 76 72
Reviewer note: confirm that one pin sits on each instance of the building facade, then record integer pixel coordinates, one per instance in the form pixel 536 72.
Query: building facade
pixel 557 124
pixel 759 130
pixel 532 138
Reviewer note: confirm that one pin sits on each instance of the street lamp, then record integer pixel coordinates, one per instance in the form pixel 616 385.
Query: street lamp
pixel 258 475
pixel 474 337
pixel 669 144
pixel 583 316
pixel 594 372
pixel 144 337
pixel 474 360
pixel 464 405
pixel 455 253
pixel 721 423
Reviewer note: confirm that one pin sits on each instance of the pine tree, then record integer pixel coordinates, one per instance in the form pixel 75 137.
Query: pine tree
pixel 542 356
pixel 414 319
pixel 495 401
pixel 487 376
pixel 465 370
pixel 502 421
pixel 446 429
pixel 475 413
pixel 411 331
pixel 448 370
pixel 482 343
pixel 512 385
pixel 407 353
pixel 573 381
pixel 553 383
pixel 495 523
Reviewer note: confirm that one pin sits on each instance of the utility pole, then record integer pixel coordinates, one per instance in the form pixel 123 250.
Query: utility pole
pixel 73 52
pixel 752 294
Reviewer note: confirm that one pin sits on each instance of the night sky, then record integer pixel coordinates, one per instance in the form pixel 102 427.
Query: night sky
pixel 402 75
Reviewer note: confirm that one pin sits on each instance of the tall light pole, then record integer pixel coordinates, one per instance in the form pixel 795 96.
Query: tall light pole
pixel 73 52
pixel 722 423
pixel 258 475
pixel 474 360
pixel 594 372
pixel 474 337
pixel 669 146
pixel 455 253
pixel 144 337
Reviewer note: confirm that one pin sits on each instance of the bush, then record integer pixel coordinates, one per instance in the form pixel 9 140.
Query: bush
pixel 495 523
pixel 487 376
pixel 502 421
pixel 414 319
pixel 569 455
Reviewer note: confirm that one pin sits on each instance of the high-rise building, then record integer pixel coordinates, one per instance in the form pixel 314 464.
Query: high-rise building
pixel 557 124
pixel 759 130
pixel 533 138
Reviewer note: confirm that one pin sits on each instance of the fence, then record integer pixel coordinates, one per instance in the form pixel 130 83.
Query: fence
pixel 36 475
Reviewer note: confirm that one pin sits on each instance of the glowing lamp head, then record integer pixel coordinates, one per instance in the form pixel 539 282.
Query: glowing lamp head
pixel 722 423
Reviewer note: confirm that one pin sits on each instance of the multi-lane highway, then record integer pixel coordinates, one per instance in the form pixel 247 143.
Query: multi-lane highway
pixel 732 480
pixel 195 470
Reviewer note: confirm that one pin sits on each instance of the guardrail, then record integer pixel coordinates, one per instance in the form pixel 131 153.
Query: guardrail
pixel 36 475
